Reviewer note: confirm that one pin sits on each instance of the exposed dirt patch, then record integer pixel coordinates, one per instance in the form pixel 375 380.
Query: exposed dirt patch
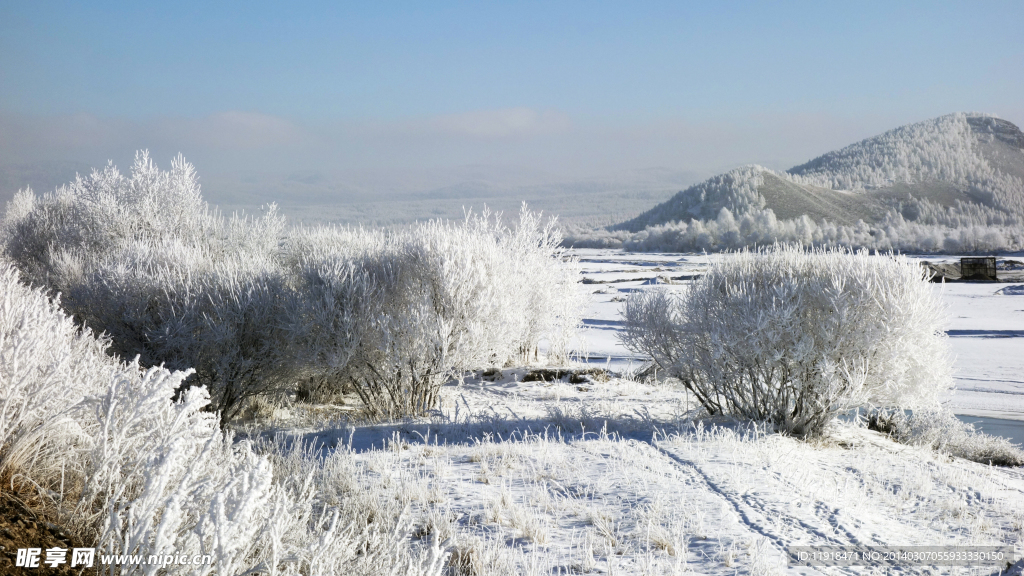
pixel 545 375
pixel 943 271
pixel 492 374
pixel 22 526
pixel 574 376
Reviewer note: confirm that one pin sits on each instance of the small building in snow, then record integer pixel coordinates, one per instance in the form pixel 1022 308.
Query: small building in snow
pixel 983 268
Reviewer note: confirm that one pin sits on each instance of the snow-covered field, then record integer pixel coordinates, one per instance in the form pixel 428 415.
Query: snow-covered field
pixel 548 479
pixel 615 476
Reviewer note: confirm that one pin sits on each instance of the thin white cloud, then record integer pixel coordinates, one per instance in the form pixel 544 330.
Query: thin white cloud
pixel 232 130
pixel 92 138
pixel 502 123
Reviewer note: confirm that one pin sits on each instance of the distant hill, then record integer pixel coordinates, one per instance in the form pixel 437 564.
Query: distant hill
pixel 955 170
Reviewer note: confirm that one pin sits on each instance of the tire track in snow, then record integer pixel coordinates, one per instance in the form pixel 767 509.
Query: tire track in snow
pixel 692 468
pixel 747 506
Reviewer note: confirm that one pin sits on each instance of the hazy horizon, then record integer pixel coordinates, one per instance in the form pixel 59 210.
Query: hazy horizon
pixel 319 104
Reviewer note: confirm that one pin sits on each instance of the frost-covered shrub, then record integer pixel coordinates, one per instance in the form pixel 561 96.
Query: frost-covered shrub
pixel 795 337
pixel 118 460
pixel 46 364
pixel 393 315
pixel 142 259
pixel 409 335
pixel 941 430
pixel 256 310
pixel 96 213
pixel 174 305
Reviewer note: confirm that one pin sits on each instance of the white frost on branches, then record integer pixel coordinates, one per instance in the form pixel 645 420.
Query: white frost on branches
pixel 124 463
pixel 254 309
pixel 796 337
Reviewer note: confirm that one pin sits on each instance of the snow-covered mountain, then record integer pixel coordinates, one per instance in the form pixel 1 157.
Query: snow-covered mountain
pixel 940 171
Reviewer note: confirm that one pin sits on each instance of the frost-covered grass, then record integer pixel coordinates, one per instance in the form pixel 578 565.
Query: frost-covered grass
pixel 117 455
pixel 626 477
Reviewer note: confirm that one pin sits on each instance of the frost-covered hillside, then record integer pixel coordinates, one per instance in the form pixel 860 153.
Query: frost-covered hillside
pixel 979 156
pixel 918 186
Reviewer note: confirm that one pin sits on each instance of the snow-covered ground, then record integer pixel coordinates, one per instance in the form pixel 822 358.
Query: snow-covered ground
pixel 614 476
pixel 987 336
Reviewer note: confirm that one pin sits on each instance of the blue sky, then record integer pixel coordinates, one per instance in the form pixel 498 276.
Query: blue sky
pixel 569 89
